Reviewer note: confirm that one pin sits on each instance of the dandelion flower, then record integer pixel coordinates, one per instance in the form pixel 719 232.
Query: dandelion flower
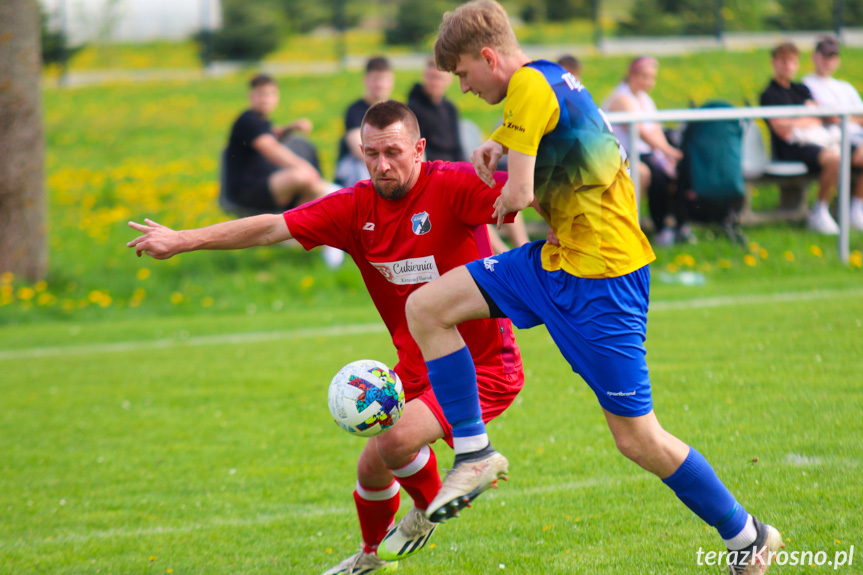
pixel 26 293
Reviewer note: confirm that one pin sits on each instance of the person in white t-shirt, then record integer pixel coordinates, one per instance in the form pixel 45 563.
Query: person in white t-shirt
pixel 658 168
pixel 828 92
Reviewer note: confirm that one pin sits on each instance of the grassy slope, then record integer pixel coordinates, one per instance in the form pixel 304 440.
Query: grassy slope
pixel 129 151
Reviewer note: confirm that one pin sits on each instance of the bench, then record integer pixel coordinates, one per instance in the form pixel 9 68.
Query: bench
pixel 792 178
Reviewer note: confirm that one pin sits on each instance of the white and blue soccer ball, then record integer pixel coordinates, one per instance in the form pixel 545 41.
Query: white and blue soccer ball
pixel 366 398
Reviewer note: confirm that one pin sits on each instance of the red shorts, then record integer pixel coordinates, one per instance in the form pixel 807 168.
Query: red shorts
pixel 496 393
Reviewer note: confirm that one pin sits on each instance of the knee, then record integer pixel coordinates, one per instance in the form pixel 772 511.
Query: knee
pixel 370 467
pixel 394 450
pixel 417 309
pixel 830 159
pixel 639 448
pixel 311 178
pixel 630 447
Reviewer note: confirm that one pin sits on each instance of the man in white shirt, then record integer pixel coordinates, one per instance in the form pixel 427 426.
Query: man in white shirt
pixel 828 92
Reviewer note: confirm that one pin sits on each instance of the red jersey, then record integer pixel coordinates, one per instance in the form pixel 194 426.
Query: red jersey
pixel 399 245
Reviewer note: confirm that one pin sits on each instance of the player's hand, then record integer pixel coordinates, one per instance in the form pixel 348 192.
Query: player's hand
pixel 485 160
pixel 501 210
pixel 158 241
pixel 552 238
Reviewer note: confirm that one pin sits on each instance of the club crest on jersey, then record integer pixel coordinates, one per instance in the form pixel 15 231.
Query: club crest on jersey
pixel 420 223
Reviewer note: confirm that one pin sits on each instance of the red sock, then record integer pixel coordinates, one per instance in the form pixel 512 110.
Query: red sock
pixel 377 510
pixel 420 477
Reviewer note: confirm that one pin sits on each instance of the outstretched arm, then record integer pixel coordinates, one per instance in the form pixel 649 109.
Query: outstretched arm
pixel 161 243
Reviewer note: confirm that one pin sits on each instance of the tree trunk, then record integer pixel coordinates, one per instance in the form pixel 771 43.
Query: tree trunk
pixel 23 248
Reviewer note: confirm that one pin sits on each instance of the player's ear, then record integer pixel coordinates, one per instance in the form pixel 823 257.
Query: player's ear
pixel 420 149
pixel 489 55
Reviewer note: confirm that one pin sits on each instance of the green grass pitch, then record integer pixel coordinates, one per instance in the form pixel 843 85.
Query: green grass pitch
pixel 204 445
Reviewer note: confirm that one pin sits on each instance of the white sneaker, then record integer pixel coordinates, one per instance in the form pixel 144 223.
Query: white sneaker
pixel 856 215
pixel 408 537
pixel 363 564
pixel 822 222
pixel 464 483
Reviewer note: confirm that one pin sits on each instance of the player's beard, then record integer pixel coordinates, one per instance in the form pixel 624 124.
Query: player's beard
pixel 397 192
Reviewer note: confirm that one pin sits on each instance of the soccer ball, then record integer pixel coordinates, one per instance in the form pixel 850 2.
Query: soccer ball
pixel 366 398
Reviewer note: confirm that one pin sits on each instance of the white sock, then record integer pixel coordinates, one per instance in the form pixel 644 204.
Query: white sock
pixel 743 539
pixel 856 204
pixel 468 444
pixel 821 206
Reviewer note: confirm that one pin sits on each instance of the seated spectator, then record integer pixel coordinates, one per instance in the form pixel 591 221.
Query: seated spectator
pixel 437 115
pixel 439 124
pixel 658 157
pixel 262 174
pixel 828 92
pixel 571 64
pixel 379 81
pixel 806 139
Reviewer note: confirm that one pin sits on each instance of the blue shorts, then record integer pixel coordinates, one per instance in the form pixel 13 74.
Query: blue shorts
pixel 599 325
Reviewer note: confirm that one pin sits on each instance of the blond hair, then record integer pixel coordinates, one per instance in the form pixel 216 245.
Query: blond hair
pixel 471 27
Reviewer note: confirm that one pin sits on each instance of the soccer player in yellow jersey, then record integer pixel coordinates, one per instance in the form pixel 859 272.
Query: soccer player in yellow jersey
pixel 590 286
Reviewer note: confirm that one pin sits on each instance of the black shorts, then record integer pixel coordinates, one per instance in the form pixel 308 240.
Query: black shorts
pixel 254 194
pixel 806 153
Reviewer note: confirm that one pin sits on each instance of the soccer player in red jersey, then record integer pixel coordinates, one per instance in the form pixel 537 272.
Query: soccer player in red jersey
pixel 412 222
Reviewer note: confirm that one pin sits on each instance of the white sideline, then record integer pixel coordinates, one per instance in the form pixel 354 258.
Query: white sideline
pixel 703 303
pixel 364 328
pixel 196 341
pixel 306 512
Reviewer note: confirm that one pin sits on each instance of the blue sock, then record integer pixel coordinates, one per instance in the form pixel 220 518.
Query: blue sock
pixel 453 379
pixel 697 486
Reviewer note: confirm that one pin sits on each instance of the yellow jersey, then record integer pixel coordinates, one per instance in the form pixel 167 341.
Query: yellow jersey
pixel 581 179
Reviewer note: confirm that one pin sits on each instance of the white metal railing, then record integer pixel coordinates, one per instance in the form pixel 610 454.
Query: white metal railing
pixel 763 112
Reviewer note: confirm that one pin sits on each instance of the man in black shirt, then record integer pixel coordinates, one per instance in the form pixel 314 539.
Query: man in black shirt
pixel 261 173
pixel 437 116
pixel 379 80
pixel 802 139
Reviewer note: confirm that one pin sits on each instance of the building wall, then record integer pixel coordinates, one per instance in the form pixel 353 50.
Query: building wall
pixel 132 20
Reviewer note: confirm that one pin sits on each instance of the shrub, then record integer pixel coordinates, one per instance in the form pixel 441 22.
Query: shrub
pixel 415 21
pixel 249 31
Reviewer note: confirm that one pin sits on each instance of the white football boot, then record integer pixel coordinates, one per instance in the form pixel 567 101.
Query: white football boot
pixel 756 559
pixel 408 537
pixel 362 563
pixel 464 483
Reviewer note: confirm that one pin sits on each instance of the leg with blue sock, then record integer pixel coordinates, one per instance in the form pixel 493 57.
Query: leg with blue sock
pixel 697 486
pixel 453 378
pixel 477 465
pixel 643 440
pixel 749 541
